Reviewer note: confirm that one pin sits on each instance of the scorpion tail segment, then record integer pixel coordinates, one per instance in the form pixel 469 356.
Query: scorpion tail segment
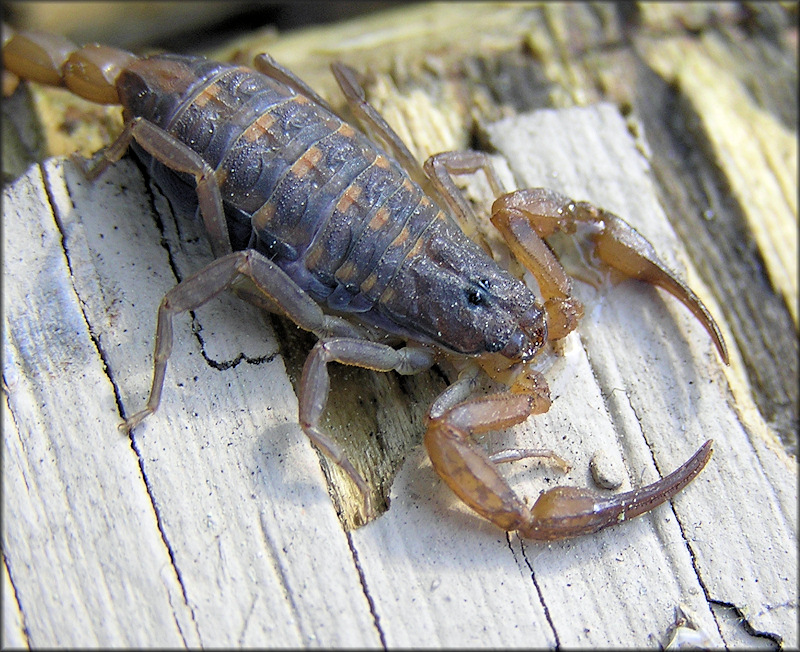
pixel 90 72
pixel 36 56
pixel 523 214
pixel 566 512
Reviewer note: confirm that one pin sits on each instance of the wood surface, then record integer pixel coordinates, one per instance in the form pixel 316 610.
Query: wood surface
pixel 218 524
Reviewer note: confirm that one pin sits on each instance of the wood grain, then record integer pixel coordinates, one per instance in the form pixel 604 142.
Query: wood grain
pixel 218 505
pixel 214 524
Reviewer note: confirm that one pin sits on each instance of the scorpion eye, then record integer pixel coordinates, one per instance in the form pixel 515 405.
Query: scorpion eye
pixel 475 297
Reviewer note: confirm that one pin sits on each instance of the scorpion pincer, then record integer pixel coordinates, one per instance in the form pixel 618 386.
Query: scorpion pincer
pixel 360 245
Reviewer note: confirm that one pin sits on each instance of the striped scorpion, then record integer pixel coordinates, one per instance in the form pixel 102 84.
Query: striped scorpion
pixel 341 230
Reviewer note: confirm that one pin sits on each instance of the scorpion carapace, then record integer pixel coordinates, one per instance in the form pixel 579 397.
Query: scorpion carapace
pixel 360 245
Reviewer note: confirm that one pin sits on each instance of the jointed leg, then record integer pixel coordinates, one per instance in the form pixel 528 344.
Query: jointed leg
pixel 563 310
pixel 315 386
pixel 526 216
pixel 178 157
pixel 441 168
pixel 219 275
pixel 265 64
pixel 373 123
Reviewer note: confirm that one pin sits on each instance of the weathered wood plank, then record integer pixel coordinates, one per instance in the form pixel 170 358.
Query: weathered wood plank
pixel 74 502
pixel 232 515
pixel 213 507
pixel 224 496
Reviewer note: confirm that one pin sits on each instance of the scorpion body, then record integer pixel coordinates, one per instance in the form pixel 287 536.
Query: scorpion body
pixel 317 198
pixel 358 244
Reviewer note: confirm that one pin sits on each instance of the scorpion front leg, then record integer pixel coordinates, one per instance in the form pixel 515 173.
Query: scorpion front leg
pixel 563 310
pixel 374 125
pixel 559 513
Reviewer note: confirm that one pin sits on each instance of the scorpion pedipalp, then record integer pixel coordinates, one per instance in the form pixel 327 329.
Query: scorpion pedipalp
pixel 565 512
pixel 526 216
pixel 559 513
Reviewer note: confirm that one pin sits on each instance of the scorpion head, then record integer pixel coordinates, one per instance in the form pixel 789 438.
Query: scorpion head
pixel 454 294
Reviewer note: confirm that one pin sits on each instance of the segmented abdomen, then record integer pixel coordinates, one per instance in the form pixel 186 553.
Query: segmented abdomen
pixel 300 185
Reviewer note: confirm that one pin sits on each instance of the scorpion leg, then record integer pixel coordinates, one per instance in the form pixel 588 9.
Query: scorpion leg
pixel 517 454
pixel 559 513
pixel 315 386
pixel 374 124
pixel 533 384
pixel 221 274
pixel 169 151
pixel 266 65
pixel 442 167
pixel 525 217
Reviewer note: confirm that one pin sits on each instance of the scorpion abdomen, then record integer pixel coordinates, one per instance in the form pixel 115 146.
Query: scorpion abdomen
pixel 297 182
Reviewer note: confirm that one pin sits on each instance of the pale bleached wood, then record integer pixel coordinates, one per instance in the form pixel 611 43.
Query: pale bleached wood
pixel 215 528
pixel 246 535
pixel 13 633
pixel 76 515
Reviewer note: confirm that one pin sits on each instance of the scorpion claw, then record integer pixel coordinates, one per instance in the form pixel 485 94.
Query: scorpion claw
pixel 559 513
pixel 569 511
pixel 524 217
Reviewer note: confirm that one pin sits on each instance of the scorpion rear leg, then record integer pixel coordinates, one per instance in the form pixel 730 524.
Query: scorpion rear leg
pixel 223 273
pixel 315 386
pixel 180 158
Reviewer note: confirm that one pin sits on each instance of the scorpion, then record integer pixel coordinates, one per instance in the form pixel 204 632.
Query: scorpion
pixel 342 230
